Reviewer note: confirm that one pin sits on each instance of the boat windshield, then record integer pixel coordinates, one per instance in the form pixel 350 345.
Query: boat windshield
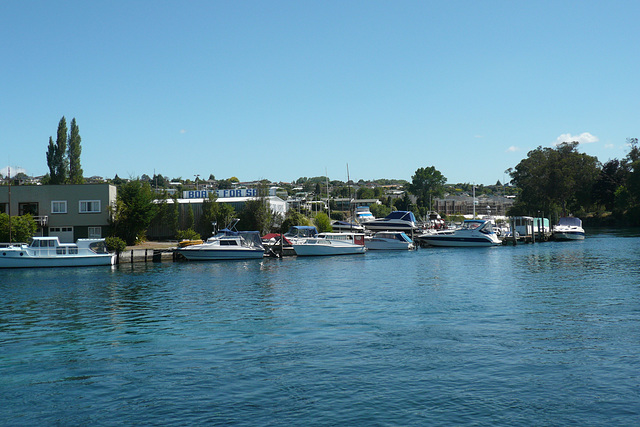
pixel 570 222
pixel 252 238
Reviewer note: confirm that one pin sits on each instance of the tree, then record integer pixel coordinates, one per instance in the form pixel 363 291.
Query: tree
pixel 56 155
pixel 23 228
pixel 256 215
pixel 555 180
pixel 323 222
pixel 425 184
pixel 292 218
pixel 75 169
pixel 134 211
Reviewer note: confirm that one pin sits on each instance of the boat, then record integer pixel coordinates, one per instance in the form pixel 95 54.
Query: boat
pixel 363 214
pixel 346 226
pixel 395 221
pixel 568 228
pixel 473 232
pixel 49 252
pixel 331 244
pixel 389 240
pixel 227 244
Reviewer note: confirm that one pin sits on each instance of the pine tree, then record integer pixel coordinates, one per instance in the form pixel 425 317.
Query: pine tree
pixel 75 169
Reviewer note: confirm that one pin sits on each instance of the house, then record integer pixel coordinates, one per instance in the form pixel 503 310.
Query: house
pixel 71 211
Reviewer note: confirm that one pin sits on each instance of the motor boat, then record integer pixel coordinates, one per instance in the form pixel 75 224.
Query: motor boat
pixel 474 232
pixel 568 228
pixel 345 226
pixel 389 241
pixel 363 214
pixel 49 252
pixel 227 244
pixel 331 244
pixel 395 221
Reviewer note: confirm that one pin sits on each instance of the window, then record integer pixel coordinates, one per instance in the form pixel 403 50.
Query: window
pixel 4 207
pixel 89 206
pixel 28 208
pixel 58 206
pixel 95 232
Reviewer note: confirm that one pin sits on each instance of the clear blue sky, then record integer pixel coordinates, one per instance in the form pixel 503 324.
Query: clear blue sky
pixel 284 89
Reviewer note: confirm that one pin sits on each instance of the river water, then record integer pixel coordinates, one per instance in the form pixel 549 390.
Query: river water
pixel 544 334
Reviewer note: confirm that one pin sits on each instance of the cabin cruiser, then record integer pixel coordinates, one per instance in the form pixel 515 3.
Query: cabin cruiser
pixel 568 228
pixel 395 221
pixel 363 214
pixel 345 226
pixel 389 240
pixel 227 244
pixel 331 244
pixel 49 252
pixel 474 232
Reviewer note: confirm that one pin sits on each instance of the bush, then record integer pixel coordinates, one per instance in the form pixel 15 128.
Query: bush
pixel 187 234
pixel 115 244
pixel 323 223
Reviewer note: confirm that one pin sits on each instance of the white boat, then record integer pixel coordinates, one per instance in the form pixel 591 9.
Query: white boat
pixel 395 221
pixel 49 252
pixel 474 232
pixel 331 244
pixel 347 227
pixel 363 214
pixel 568 228
pixel 389 241
pixel 226 245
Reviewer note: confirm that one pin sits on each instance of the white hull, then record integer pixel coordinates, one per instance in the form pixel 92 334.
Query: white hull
pixel 460 242
pixel 311 249
pixel 25 261
pixel 558 235
pixel 215 254
pixel 377 245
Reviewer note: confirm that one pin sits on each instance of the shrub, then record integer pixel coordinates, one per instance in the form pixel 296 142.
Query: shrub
pixel 115 244
pixel 187 234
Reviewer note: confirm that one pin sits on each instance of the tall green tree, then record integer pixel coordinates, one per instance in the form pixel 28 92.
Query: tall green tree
pixel 555 180
pixel 75 149
pixel 134 211
pixel 425 184
pixel 57 155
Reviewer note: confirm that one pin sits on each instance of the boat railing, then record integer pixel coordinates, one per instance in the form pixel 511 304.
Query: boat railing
pixel 60 251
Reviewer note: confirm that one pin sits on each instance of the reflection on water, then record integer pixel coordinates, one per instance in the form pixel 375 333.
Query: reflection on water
pixel 533 334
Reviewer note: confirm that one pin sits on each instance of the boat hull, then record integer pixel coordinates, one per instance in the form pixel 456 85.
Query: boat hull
pixel 455 241
pixel 387 245
pixel 13 261
pixel 209 254
pixel 568 235
pixel 324 249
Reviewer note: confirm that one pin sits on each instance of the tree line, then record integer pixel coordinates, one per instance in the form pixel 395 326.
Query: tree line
pixel 63 156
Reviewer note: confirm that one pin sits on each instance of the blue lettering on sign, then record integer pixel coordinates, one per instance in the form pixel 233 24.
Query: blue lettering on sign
pixel 190 195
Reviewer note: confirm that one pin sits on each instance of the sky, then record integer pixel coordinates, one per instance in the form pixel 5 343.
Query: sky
pixel 285 89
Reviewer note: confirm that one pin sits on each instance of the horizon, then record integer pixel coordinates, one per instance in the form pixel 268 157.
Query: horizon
pixel 285 89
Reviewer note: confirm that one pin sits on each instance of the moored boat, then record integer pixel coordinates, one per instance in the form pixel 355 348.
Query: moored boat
pixel 474 232
pixel 227 244
pixel 331 244
pixel 389 241
pixel 49 252
pixel 395 221
pixel 568 228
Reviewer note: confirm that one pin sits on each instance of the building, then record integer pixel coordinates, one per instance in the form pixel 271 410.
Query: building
pixel 71 212
pixel 464 205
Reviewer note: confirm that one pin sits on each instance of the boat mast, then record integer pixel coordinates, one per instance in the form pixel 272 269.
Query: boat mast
pixel 9 173
pixel 349 185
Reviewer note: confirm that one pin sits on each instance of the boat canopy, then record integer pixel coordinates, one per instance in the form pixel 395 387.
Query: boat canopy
pixel 251 237
pixel 403 215
pixel 302 231
pixel 570 221
pixel 478 224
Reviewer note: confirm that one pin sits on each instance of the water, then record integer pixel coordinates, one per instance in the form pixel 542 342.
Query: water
pixel 545 334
